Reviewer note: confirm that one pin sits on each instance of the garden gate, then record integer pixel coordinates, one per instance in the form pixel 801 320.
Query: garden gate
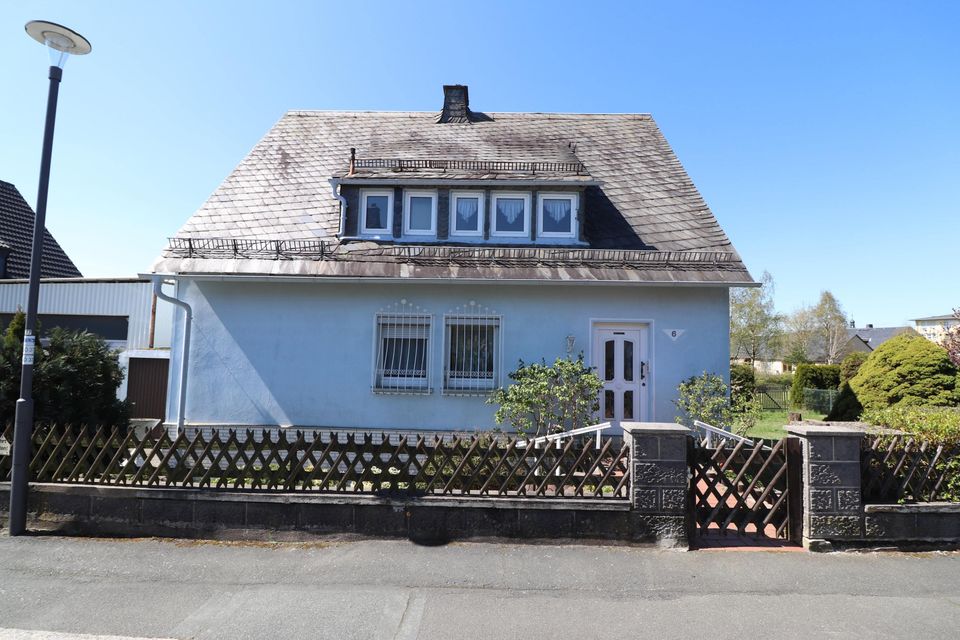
pixel 750 489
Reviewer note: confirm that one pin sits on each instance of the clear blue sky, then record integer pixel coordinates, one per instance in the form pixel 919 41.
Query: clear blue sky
pixel 824 136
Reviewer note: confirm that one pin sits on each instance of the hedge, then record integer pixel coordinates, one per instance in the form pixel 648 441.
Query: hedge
pixel 813 376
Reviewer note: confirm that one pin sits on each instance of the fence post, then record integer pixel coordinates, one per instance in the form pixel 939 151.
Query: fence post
pixel 832 508
pixel 659 481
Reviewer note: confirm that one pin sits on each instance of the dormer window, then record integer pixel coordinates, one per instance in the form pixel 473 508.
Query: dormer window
pixel 420 213
pixel 511 214
pixel 377 211
pixel 466 213
pixel 557 215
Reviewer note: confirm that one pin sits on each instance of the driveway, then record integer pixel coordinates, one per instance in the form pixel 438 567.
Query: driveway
pixel 394 589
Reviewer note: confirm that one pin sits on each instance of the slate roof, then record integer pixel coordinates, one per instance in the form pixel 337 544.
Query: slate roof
pixel 640 201
pixel 875 336
pixel 16 232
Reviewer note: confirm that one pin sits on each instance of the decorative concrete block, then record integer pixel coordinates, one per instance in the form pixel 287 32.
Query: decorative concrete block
pixel 646 447
pixel 843 474
pixel 645 499
pixel 660 473
pixel 668 531
pixel 875 528
pixel 821 448
pixel 821 500
pixel 673 500
pixel 835 527
pixel 673 448
pixel 848 500
pixel 846 448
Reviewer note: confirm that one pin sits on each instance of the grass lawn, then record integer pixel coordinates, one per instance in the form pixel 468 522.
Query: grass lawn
pixel 772 423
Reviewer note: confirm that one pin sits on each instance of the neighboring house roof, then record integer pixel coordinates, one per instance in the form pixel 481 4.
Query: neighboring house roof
pixel 276 213
pixel 948 316
pixel 875 336
pixel 16 232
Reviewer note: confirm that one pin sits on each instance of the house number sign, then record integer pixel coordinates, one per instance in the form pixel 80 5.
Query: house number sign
pixel 28 347
pixel 674 334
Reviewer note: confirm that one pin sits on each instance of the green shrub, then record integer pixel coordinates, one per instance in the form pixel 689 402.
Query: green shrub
pixel 703 398
pixel 932 424
pixel 851 364
pixel 906 370
pixel 847 407
pixel 743 381
pixel 76 377
pixel 813 376
pixel 776 380
pixel 547 397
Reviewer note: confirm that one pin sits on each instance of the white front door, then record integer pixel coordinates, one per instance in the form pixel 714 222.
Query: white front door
pixel 620 357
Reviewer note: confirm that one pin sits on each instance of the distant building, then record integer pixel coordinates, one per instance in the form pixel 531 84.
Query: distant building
pixel 16 239
pixel 864 339
pixel 935 328
pixel 120 311
pixel 868 338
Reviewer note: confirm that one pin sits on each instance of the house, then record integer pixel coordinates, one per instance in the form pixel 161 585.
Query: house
pixel 935 328
pixel 389 269
pixel 121 311
pixel 866 339
pixel 16 241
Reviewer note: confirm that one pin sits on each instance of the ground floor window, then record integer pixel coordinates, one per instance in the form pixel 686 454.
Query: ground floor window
pixel 403 353
pixel 471 353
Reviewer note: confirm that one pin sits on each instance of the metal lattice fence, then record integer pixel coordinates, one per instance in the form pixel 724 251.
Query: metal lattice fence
pixel 332 462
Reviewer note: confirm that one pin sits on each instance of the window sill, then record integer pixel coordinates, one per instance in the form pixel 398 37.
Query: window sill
pixel 418 391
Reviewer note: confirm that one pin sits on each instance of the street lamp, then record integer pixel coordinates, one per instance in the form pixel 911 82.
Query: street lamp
pixel 62 42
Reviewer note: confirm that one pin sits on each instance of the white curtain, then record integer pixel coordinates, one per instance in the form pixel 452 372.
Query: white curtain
pixel 510 209
pixel 557 209
pixel 466 210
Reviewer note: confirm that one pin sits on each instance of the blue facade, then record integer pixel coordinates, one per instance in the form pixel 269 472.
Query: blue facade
pixel 301 353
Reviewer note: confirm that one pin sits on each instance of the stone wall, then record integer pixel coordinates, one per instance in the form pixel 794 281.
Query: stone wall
pixel 833 505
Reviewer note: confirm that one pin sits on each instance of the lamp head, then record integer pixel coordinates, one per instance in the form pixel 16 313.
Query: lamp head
pixel 61 41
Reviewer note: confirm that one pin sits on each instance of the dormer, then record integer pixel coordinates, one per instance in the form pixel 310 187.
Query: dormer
pixel 463 182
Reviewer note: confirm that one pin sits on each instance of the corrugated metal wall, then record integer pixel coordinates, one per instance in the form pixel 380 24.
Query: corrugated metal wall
pixel 131 298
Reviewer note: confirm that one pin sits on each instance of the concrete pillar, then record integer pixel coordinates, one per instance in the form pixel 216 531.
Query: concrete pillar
pixel 659 487
pixel 832 508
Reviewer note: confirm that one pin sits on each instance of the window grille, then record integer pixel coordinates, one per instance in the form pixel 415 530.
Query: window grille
pixel 472 352
pixel 403 350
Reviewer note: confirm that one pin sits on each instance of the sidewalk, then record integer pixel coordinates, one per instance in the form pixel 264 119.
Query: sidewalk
pixel 395 589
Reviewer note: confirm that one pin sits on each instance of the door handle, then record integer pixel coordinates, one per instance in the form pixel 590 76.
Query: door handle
pixel 643 371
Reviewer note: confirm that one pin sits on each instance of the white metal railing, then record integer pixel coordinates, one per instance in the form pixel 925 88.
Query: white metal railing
pixel 558 437
pixel 709 431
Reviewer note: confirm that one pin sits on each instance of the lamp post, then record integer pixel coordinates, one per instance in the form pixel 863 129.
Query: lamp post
pixel 62 42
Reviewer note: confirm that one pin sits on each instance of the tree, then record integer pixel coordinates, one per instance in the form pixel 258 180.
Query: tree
pixel 755 326
pixel 76 377
pixel 831 326
pixel 817 333
pixel 546 397
pixel 800 337
pixel 906 370
pixel 951 342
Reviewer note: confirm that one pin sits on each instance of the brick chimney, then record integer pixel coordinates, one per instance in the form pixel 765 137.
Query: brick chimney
pixel 456 103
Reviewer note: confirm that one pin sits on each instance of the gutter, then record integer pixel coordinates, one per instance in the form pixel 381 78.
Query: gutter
pixel 335 185
pixel 158 280
pixel 261 278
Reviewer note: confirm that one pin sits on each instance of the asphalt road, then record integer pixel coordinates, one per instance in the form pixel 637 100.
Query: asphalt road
pixel 56 588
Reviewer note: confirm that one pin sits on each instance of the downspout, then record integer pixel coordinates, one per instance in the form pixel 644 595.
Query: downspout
pixel 335 185
pixel 184 349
